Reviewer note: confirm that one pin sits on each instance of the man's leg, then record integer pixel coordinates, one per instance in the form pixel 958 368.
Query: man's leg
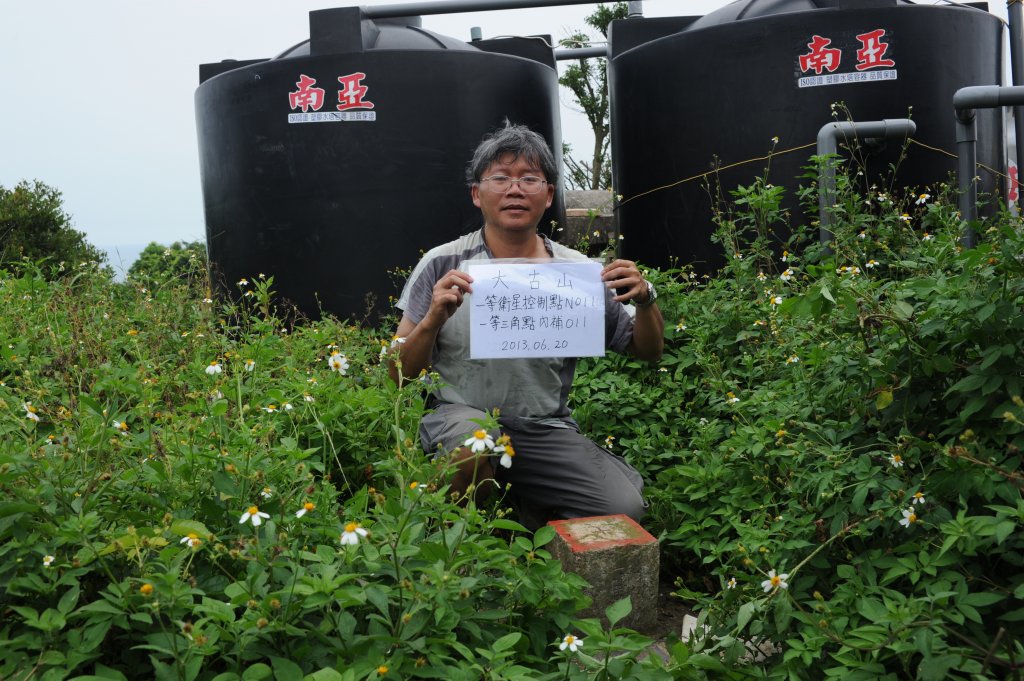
pixel 558 473
pixel 446 428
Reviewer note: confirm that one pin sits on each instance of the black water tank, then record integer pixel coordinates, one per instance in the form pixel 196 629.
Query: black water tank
pixel 342 159
pixel 719 89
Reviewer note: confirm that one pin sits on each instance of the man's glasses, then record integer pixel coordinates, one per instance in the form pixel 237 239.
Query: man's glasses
pixel 500 184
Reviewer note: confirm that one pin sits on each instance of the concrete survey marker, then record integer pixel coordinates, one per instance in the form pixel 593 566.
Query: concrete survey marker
pixel 618 558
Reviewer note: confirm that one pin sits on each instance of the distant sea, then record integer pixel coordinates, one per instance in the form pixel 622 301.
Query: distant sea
pixel 122 256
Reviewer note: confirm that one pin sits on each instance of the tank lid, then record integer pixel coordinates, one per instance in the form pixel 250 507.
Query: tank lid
pixel 344 30
pixel 752 9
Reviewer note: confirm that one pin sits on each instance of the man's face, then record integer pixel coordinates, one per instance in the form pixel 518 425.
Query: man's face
pixel 513 210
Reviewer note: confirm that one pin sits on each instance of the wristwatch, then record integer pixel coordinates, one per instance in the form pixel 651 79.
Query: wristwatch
pixel 652 295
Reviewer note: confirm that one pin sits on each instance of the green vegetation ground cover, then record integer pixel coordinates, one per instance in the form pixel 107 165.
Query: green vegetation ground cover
pixel 831 443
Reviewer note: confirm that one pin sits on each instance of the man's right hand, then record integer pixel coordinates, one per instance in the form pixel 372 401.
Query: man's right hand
pixel 418 341
pixel 448 294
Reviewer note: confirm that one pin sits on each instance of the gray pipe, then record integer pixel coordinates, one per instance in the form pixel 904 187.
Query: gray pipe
pixel 965 101
pixel 828 143
pixel 636 9
pixel 581 52
pixel 456 6
pixel 1015 14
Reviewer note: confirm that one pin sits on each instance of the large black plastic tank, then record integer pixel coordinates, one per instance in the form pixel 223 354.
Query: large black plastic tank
pixel 341 160
pixel 690 92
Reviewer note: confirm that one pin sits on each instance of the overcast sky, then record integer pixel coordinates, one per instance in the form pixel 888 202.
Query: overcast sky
pixel 97 95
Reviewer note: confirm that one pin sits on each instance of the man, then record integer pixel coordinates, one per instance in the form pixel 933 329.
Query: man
pixel 556 472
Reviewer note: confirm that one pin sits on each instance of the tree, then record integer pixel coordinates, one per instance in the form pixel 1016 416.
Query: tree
pixel 34 227
pixel 588 83
pixel 181 262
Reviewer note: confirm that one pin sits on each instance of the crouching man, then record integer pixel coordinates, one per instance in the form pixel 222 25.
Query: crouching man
pixel 556 471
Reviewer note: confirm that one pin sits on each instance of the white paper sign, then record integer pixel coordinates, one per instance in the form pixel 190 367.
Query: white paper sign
pixel 548 309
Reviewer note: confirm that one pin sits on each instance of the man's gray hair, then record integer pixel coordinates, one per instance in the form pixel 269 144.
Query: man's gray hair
pixel 517 140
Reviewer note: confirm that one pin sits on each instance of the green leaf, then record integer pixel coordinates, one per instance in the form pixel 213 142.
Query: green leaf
pixel 745 613
pixel 286 670
pixel 826 293
pixel 883 399
pixel 543 536
pixel 433 552
pixel 186 527
pixel 506 642
pixel 903 309
pixel 9 508
pixel 325 674
pixel 506 524
pixel 68 600
pixel 219 408
pixel 936 668
pixel 91 404
pixel 257 672
pixel 982 598
pixel 617 610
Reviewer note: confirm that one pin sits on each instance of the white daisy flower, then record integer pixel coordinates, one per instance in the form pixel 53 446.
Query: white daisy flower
pixel 192 539
pixel 352 533
pixel 571 642
pixel 253 515
pixel 480 441
pixel 337 362
pixel 775 581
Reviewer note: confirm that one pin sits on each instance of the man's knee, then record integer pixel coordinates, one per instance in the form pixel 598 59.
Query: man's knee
pixel 630 503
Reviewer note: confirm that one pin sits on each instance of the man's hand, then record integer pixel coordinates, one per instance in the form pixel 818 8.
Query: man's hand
pixel 415 350
pixel 447 297
pixel 624 276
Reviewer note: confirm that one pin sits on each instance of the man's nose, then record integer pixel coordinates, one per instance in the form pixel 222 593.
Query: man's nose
pixel 515 188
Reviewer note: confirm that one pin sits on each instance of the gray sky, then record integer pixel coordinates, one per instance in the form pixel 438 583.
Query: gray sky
pixel 97 96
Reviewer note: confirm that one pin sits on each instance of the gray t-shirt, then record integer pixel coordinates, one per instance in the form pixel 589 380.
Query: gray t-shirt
pixel 533 388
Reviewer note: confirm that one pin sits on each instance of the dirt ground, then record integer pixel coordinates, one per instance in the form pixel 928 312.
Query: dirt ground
pixel 671 611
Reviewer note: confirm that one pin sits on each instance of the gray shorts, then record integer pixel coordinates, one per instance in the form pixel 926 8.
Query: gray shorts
pixel 556 473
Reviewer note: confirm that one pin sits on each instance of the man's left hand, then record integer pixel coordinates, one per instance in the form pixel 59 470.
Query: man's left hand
pixel 625 277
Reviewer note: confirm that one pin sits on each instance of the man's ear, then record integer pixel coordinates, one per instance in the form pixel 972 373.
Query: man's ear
pixel 474 191
pixel 551 195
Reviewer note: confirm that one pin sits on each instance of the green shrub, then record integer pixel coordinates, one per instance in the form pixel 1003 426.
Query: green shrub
pixel 188 498
pixel 849 417
pixel 181 262
pixel 35 228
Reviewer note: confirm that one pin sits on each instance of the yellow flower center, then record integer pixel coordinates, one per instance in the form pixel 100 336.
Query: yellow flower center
pixel 213 363
pixel 193 536
pixel 309 506
pixel 30 408
pixel 413 484
pixel 509 450
pixel 775 580
pixel 253 510
pixel 896 458
pixel 912 518
pixel 271 407
pixel 146 589
pixel 382 669
pixel 918 495
pixel 570 639
pixel 351 527
pixel 480 434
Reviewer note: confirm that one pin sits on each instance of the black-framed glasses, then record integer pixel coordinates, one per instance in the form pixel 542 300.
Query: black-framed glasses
pixel 499 184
